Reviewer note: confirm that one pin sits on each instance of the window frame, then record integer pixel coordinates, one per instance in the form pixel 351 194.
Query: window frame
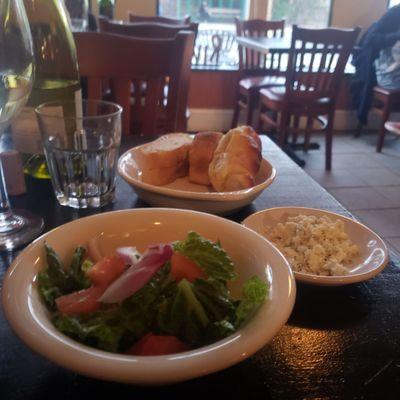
pixel 329 15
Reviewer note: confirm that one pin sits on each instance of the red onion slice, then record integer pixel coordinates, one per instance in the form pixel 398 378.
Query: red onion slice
pixel 135 277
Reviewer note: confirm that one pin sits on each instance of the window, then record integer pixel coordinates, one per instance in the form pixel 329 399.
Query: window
pixel 205 11
pixel 305 13
pixel 393 3
pixel 215 44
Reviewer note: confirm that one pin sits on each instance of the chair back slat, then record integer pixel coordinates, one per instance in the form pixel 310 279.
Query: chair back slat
pixel 158 19
pixel 95 88
pixel 317 60
pixel 137 69
pixel 151 104
pixel 145 29
pixel 252 62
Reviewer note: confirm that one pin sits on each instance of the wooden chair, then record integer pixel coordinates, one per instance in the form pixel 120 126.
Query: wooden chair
pixel 144 29
pixel 385 102
pixel 258 70
pixel 123 59
pixel 317 60
pixel 158 19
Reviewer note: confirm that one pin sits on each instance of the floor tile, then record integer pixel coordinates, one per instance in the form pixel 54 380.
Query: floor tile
pixel 363 198
pixel 364 181
pixel 336 178
pixel 341 160
pixel 376 176
pixel 390 192
pixel 384 222
pixel 394 243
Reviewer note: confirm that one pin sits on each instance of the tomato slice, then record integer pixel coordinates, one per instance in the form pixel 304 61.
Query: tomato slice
pixel 106 270
pixel 156 345
pixel 82 302
pixel 184 268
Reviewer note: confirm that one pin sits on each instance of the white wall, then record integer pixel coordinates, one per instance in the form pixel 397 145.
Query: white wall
pixel 140 7
pixel 350 13
pixel 345 13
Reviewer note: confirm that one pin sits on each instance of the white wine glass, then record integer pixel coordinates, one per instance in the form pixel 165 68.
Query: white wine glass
pixel 16 78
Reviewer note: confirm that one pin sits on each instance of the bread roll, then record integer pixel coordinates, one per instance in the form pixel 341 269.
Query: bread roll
pixel 165 159
pixel 201 153
pixel 236 160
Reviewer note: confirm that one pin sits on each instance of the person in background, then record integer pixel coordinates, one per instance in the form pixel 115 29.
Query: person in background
pixel 204 13
pixel 377 61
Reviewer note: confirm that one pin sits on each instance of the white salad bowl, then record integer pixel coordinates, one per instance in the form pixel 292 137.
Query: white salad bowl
pixel 184 194
pixel 372 259
pixel 251 253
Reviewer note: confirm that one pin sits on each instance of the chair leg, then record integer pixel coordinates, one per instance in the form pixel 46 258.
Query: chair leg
pixel 382 130
pixel 236 111
pixel 296 124
pixel 260 121
pixel 283 128
pixel 307 134
pixel 251 105
pixel 328 141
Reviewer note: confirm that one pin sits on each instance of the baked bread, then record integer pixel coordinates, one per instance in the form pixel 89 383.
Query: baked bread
pixel 165 159
pixel 201 153
pixel 236 160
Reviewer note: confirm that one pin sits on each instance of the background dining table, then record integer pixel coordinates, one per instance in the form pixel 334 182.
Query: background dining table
pixel 264 44
pixel 339 343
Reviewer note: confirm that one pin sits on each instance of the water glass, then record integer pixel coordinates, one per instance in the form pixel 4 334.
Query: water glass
pixel 79 14
pixel 81 142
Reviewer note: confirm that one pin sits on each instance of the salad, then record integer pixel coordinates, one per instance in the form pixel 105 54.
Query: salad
pixel 172 298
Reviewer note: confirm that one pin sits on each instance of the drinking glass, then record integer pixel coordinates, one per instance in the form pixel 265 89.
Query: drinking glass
pixel 81 143
pixel 16 76
pixel 79 13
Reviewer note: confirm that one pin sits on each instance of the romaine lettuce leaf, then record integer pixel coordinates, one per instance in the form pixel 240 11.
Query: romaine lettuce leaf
pixel 211 257
pixel 54 280
pixel 218 330
pixel 215 298
pixel 254 292
pixel 138 311
pixel 77 279
pixel 181 314
pixel 97 330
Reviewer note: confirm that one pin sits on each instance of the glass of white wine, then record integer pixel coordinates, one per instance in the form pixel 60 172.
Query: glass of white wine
pixel 16 77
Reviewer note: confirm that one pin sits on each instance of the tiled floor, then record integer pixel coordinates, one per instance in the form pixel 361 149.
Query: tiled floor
pixel 365 182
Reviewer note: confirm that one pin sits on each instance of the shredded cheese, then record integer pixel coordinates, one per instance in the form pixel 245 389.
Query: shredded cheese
pixel 314 245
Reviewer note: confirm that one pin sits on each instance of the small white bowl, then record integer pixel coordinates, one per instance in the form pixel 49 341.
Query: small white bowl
pixel 184 194
pixel 251 253
pixel 373 256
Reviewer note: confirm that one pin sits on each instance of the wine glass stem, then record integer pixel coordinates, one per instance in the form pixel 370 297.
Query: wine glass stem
pixel 5 210
pixel 8 222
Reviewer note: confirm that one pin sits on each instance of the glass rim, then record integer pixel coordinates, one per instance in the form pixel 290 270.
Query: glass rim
pixel 40 110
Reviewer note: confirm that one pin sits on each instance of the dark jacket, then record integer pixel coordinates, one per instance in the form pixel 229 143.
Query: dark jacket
pixel 381 35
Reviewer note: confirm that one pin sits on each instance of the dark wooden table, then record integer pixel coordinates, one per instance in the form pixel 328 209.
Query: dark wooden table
pixel 339 343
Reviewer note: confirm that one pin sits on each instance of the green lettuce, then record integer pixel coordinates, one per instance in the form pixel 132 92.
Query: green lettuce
pixel 198 313
pixel 77 279
pixel 215 298
pixel 211 257
pixel 117 328
pixel 99 329
pixel 54 280
pixel 181 314
pixel 137 312
pixel 254 292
